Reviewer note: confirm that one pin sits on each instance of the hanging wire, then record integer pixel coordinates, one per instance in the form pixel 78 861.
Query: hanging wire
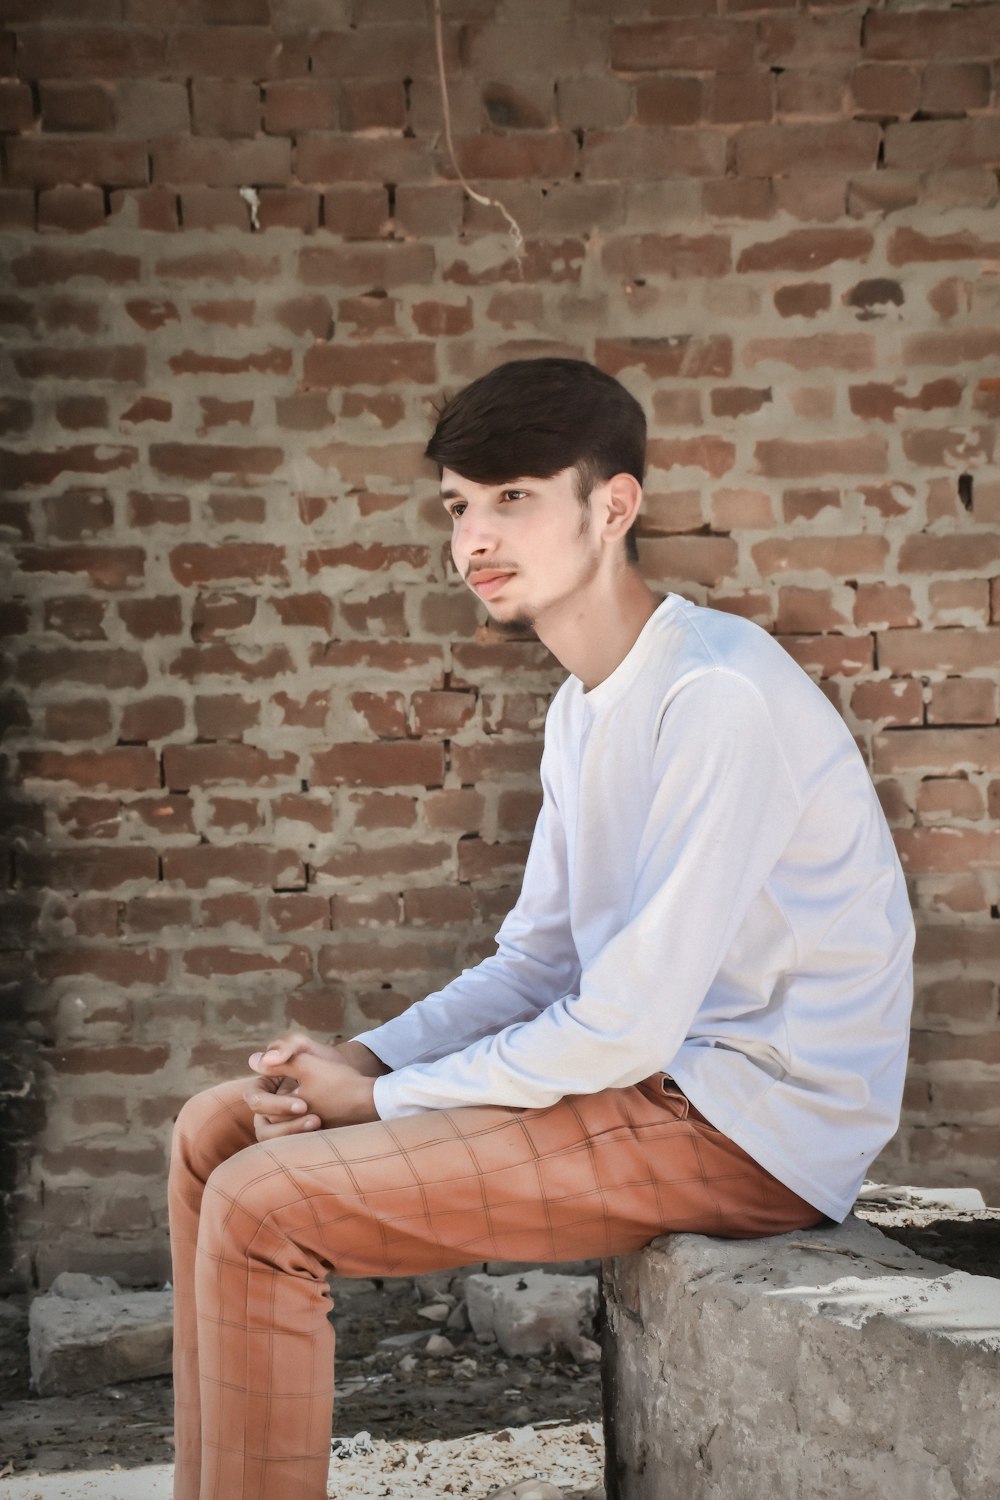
pixel 515 228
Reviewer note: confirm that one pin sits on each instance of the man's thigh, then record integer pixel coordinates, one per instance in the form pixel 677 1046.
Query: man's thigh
pixel 593 1175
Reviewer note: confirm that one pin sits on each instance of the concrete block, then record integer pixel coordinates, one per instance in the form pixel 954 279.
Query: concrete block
pixel 85 1332
pixel 810 1366
pixel 527 1313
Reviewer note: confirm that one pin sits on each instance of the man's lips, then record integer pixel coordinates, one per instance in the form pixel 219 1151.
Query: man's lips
pixel 489 581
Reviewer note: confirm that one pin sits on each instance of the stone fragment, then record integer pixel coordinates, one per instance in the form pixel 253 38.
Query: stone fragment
pixel 438 1347
pixel 85 1332
pixel 528 1313
pixel 437 1312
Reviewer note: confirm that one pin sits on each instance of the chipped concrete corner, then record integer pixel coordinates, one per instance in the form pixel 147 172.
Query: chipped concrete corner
pixel 818 1365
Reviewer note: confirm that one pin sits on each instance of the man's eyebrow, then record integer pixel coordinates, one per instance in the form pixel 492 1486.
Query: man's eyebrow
pixel 450 495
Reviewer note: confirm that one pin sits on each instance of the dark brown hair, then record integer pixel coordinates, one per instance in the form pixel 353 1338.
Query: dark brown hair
pixel 532 418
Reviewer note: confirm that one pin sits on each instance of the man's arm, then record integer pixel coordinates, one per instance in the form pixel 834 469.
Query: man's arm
pixel 722 811
pixel 535 963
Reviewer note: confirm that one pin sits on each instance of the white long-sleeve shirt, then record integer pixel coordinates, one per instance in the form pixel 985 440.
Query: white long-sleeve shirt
pixel 711 891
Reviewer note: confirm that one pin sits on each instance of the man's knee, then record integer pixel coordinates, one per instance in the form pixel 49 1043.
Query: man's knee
pixel 213 1124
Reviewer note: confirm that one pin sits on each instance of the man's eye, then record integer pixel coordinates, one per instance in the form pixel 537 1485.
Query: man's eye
pixel 456 510
pixel 514 494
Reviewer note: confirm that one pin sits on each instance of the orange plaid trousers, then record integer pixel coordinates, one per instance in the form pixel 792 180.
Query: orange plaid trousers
pixel 256 1227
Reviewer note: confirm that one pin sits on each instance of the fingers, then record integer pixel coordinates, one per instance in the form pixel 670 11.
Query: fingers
pixel 274 1105
pixel 276 1053
pixel 270 1130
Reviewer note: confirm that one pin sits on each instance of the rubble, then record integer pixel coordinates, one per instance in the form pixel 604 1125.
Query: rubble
pixel 86 1332
pixel 526 1313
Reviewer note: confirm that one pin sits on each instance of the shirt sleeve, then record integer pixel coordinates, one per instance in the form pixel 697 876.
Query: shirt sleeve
pixel 535 962
pixel 721 808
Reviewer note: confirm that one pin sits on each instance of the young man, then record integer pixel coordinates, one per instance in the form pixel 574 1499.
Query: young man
pixel 697 1015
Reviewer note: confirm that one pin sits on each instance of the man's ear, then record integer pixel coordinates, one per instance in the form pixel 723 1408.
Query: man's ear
pixel 622 498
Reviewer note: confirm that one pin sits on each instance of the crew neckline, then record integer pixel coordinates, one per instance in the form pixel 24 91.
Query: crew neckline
pixel 616 682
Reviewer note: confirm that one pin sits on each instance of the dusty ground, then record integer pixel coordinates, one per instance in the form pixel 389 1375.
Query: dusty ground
pixel 461 1424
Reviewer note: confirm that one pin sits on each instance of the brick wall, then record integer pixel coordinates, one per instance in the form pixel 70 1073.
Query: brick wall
pixel 263 760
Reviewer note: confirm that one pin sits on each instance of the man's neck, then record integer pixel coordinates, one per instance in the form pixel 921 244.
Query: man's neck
pixel 592 633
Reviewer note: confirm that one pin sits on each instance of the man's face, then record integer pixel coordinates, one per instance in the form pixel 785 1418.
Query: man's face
pixel 524 547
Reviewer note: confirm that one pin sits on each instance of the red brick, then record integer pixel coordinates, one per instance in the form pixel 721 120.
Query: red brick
pixel 384 265
pixel 413 362
pixel 100 668
pixel 353 864
pixel 780 150
pixel 221 266
pixel 125 767
pixel 77 619
pixel 664 358
pixel 439 906
pixel 893 704
pixel 644 153
pixel 948 797
pixel 198 867
pixel 87 869
pixel 668 255
pixel 837 351
pixel 944 751
pixel 925 33
pixel 947 143
pixel 809 41
pixel 960 346
pixel 442 713
pixel 289 208
pixel 819 94
pixel 222 163
pixel 75 106
pixel 298 912
pixel 131 1060
pixel 804 300
pixel 147 208
pixel 880 402
pixel 783 459
pixel 17 208
pixel 841 556
pixel 77 412
pixel 291 105
pixel 326 158
pixel 806 610
pixel 224 107
pixel 384 714
pixel 47 161
pixel 806 250
pixel 372 810
pixel 697 44
pixel 185 766
pixel 881 606
pixel 84 719
pixel 226 962
pixel 975 553
pixel 213 208
pixel 151 617
pixel 389 764
pixel 735 198
pixel 63 51
pixel 954 88
pixel 972 701
pixel 947 850
pixel 234 52
pixel 457 809
pixel 46 266
pixel 883 89
pixel 670 100
pixel 742 509
pixel 148 409
pixel 442 319
pixel 125 363
pixel 950 651
pixel 715 455
pixel 73 209
pixel 203 461
pixel 150 314
pixel 152 719
pixel 105 567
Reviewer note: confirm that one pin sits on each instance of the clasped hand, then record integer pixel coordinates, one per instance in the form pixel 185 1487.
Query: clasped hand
pixel 305 1085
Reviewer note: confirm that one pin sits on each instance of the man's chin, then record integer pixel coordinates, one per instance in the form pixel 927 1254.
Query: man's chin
pixel 511 621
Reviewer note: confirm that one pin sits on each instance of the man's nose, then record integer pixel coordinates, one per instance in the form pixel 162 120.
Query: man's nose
pixel 476 536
